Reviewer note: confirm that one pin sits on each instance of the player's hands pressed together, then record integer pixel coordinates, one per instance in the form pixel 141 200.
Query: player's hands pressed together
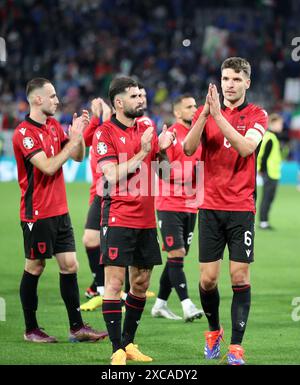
pixel 96 107
pixel 78 126
pixel 99 107
pixel 166 138
pixel 214 101
pixel 85 118
pixel 146 140
pixel 206 109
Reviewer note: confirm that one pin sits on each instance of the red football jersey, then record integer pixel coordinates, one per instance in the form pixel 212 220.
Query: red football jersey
pixel 180 193
pixel 42 196
pixel 88 139
pixel 229 179
pixel 130 203
pixel 90 130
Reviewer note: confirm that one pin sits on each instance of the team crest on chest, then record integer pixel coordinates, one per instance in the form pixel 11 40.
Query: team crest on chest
pixel 28 143
pixel 101 148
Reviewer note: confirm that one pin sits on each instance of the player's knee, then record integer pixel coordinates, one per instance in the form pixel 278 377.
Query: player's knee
pixel 178 253
pixel 208 281
pixel 36 268
pixel 239 279
pixel 139 287
pixel 113 286
pixel 70 267
pixel 90 240
pixel 240 276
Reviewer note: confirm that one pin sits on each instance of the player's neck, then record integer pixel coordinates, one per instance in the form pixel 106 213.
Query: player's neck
pixel 128 122
pixel 38 116
pixel 183 123
pixel 237 103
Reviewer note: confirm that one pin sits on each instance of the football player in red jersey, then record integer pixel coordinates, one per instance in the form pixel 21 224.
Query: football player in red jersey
pixel 41 148
pixel 177 208
pixel 230 134
pixel 140 120
pixel 91 236
pixel 125 151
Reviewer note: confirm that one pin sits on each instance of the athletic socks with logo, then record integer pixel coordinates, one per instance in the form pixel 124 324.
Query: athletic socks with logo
pixel 134 310
pixel 165 286
pixel 112 314
pixel 29 299
pixel 240 308
pixel 70 294
pixel 177 277
pixel 210 301
pixel 93 254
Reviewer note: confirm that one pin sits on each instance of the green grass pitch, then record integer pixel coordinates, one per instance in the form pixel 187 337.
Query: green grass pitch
pixel 272 336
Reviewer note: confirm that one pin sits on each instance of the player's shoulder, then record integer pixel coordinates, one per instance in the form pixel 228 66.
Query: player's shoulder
pixel 23 129
pixel 143 122
pixel 198 112
pixel 102 132
pixel 178 126
pixel 256 109
pixel 98 133
pixel 106 126
pixel 105 130
pixel 200 108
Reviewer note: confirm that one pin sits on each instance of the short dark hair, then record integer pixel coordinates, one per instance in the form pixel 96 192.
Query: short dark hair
pixel 180 98
pixel 141 85
pixel 34 84
pixel 119 85
pixel 238 64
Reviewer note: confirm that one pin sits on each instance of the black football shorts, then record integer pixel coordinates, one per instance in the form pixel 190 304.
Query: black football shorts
pixel 47 237
pixel 94 215
pixel 177 229
pixel 220 228
pixel 123 246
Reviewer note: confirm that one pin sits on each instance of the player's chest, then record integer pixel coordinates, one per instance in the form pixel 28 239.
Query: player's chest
pixel 49 141
pixel 127 144
pixel 214 135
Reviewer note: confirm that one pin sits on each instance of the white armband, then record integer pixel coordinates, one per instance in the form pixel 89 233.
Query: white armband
pixel 254 135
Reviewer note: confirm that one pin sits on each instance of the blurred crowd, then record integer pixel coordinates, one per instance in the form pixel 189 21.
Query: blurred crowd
pixel 172 46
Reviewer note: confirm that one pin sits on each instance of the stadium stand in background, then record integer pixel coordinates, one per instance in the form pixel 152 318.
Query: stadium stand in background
pixel 171 46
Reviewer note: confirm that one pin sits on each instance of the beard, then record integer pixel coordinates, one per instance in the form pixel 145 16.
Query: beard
pixel 188 122
pixel 134 113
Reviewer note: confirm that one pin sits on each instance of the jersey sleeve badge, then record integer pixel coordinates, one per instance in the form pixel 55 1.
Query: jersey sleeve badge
pixel 28 143
pixel 101 148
